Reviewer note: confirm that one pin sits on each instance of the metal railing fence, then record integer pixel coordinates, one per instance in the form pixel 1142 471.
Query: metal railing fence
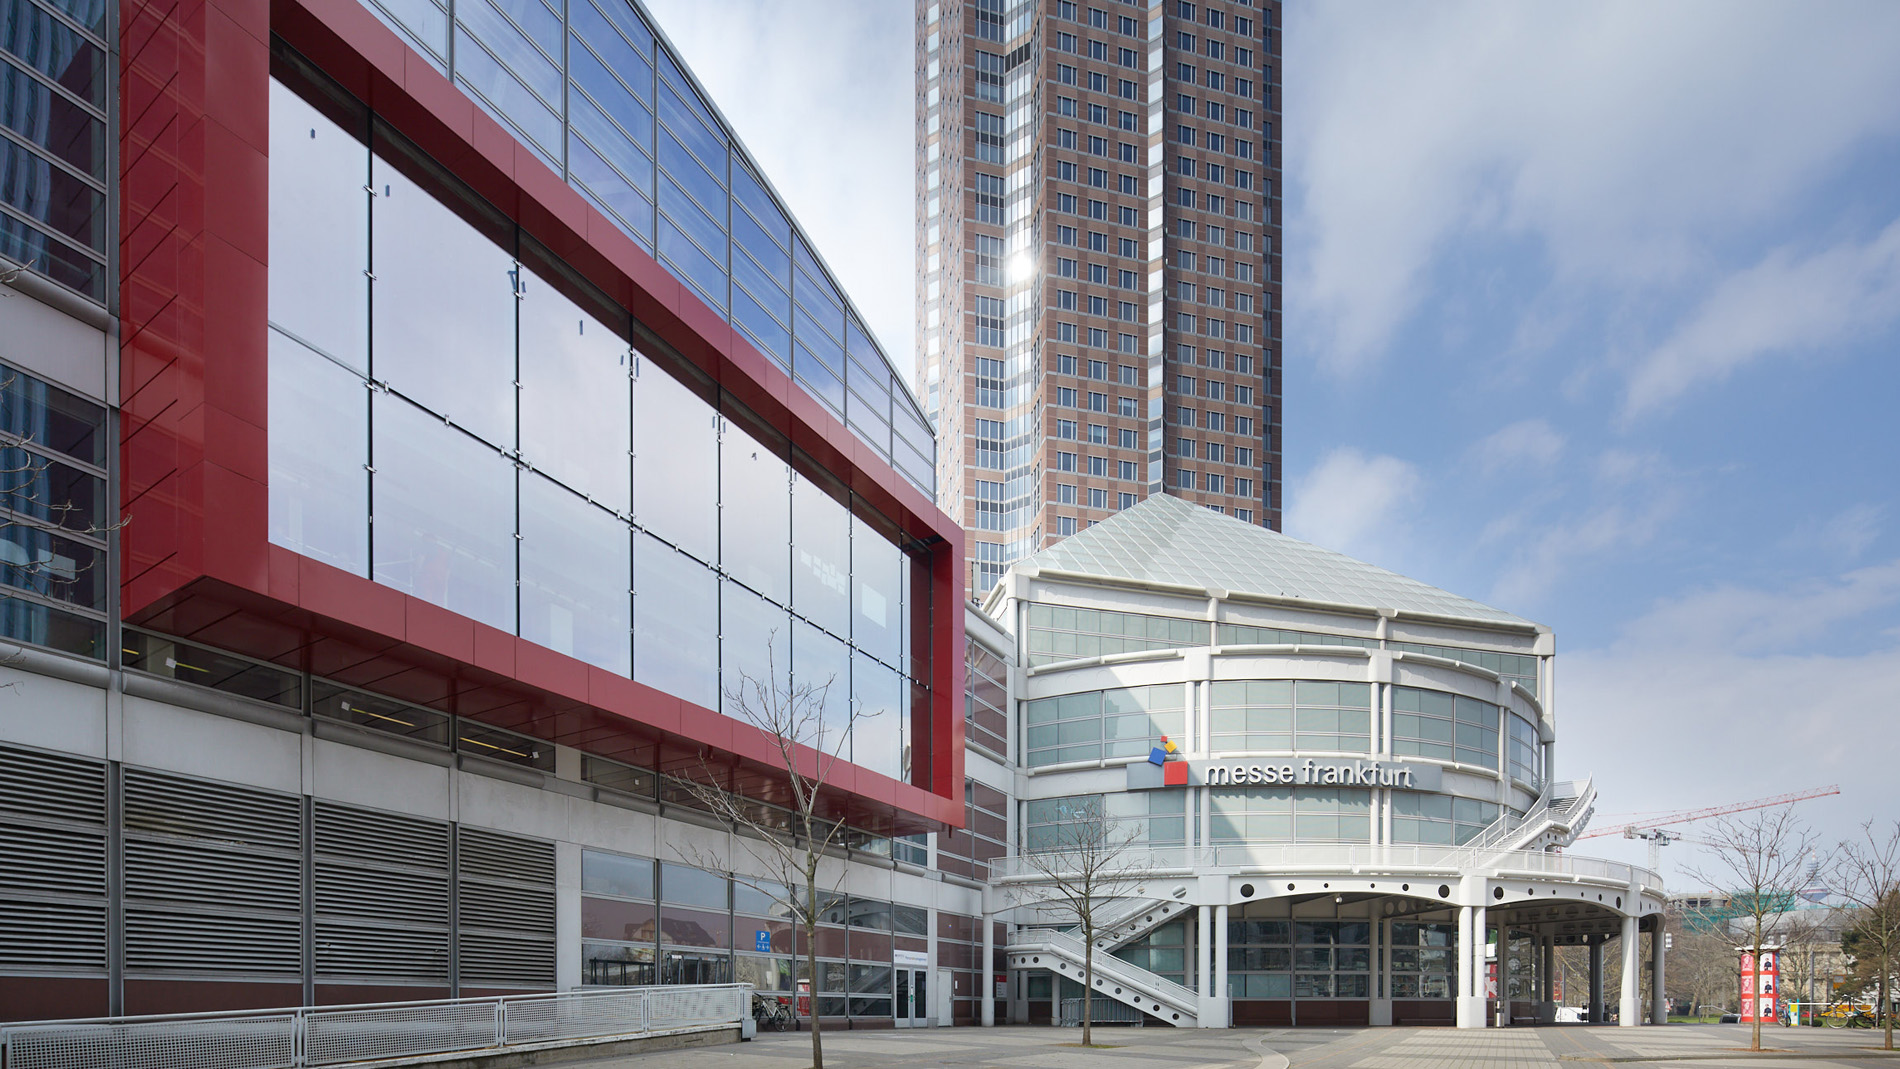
pixel 338 1035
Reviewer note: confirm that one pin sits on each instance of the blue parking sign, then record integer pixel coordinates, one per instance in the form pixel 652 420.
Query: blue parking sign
pixel 762 941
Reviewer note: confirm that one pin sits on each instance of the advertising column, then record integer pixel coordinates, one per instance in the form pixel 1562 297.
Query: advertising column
pixel 1761 985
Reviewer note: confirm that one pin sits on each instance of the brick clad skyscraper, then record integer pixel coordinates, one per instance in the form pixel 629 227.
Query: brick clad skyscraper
pixel 1098 262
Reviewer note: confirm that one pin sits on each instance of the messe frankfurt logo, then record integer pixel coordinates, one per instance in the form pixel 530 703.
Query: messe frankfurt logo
pixel 1160 754
pixel 1167 766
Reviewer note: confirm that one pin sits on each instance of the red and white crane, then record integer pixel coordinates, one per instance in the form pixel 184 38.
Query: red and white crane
pixel 1656 831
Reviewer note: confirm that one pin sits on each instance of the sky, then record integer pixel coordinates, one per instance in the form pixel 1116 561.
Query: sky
pixel 1592 313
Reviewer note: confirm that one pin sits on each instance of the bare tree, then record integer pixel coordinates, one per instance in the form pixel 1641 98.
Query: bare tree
pixel 1088 860
pixel 787 843
pixel 1867 874
pixel 1761 859
pixel 1701 961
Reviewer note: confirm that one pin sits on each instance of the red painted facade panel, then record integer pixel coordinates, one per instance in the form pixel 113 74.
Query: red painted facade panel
pixel 196 560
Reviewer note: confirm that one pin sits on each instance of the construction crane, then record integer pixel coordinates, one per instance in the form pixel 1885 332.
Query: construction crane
pixel 1657 835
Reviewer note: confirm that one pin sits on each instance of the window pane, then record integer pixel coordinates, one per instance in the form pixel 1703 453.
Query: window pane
pixel 445 515
pixel 875 578
pixel 675 462
pixel 821 672
pixel 575 395
pixel 444 310
pixel 675 623
pixel 319 447
pixel 615 874
pixel 755 487
pixel 319 229
pixel 755 655
pixel 821 557
pixel 574 576
pixel 880 735
pixel 691 886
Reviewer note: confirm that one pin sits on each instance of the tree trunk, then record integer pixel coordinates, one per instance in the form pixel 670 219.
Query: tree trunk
pixel 811 959
pixel 1755 994
pixel 1885 1009
pixel 1088 980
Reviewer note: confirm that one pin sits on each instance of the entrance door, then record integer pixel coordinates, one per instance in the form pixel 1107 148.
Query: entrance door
pixel 913 1002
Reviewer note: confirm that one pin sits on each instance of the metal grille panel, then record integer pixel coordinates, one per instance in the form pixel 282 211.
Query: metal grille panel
pixel 398 1031
pixel 380 839
pixel 211 875
pixel 61 935
pixel 506 857
pixel 174 941
pixel 355 951
pixel 538 1020
pixel 53 786
pixel 383 893
pixel 252 1042
pixel 495 958
pixel 677 1007
pixel 51 860
pixel 164 804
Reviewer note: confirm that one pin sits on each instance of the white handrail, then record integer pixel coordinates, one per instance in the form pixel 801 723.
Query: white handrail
pixel 1160 988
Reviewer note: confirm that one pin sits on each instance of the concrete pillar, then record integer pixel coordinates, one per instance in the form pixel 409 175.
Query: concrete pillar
pixel 986 978
pixel 1547 979
pixel 1596 981
pixel 1627 1008
pixel 1472 1006
pixel 1659 1004
pixel 1220 950
pixel 1203 950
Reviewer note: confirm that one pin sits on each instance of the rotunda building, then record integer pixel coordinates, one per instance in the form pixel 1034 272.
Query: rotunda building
pixel 1331 794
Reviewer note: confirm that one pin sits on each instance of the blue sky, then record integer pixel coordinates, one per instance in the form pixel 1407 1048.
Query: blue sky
pixel 1592 312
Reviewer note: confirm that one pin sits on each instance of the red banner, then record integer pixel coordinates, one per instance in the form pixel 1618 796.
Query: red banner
pixel 1761 986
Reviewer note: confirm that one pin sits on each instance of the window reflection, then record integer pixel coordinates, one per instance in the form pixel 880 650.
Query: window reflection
pixel 875 593
pixel 754 484
pixel 755 653
pixel 319 229
pixel 575 560
pixel 445 514
pixel 675 623
pixel 675 462
pixel 444 323
pixel 879 734
pixel 822 663
pixel 575 394
pixel 319 440
pixel 821 556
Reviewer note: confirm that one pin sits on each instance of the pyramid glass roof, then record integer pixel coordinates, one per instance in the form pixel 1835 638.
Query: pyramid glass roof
pixel 1167 540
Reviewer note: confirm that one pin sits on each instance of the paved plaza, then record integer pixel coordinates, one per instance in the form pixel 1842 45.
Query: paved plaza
pixel 1682 1046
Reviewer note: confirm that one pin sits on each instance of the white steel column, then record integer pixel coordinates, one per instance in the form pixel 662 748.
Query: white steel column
pixel 1220 950
pixel 1628 1011
pixel 1470 1010
pixel 1659 1004
pixel 1203 950
pixel 986 978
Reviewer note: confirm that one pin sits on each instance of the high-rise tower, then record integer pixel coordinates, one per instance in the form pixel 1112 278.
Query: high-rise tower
pixel 1098 261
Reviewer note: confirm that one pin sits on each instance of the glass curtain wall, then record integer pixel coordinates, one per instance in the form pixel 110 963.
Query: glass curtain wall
pixel 53 127
pixel 54 573
pixel 615 115
pixel 526 465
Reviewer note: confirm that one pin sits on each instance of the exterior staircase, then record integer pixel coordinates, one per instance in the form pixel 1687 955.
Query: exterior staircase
pixel 1142 912
pixel 1062 953
pixel 1555 820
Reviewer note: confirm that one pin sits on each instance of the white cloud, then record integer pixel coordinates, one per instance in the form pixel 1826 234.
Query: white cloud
pixel 1546 555
pixel 1531 443
pixel 1747 620
pixel 1783 306
pixel 1853 529
pixel 1352 502
pixel 1625 139
pixel 1716 697
pixel 821 93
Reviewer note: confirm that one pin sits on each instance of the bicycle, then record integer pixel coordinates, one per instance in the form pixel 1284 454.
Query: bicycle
pixel 1848 1015
pixel 771 1014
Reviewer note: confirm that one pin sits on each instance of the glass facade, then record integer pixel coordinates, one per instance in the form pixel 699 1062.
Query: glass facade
pixel 53 129
pixel 593 91
pixel 455 417
pixel 1449 727
pixel 1101 724
pixel 54 528
pixel 1157 818
pixel 1285 714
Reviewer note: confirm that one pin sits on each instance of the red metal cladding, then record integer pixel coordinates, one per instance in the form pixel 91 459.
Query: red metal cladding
pixel 196 561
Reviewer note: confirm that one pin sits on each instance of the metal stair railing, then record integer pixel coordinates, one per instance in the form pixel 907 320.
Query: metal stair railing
pixel 1146 913
pixel 1149 992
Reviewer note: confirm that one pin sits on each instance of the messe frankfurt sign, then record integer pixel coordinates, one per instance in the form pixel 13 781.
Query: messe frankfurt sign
pixel 1292 770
